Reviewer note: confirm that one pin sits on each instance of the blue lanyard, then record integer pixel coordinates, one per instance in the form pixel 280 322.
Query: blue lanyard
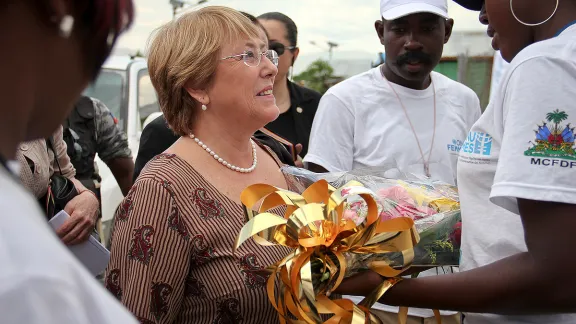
pixel 565 27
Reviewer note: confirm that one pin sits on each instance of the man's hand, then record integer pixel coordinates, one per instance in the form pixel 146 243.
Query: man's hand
pixel 83 211
pixel 298 162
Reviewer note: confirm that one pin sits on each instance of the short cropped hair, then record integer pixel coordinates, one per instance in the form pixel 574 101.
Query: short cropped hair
pixel 188 51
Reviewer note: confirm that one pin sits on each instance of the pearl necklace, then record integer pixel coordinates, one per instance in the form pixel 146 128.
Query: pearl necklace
pixel 226 164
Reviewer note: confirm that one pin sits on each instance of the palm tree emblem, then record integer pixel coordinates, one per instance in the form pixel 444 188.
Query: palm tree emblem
pixel 554 140
pixel 556 117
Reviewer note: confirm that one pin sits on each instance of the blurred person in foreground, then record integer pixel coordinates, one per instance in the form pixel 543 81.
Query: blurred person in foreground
pixel 400 114
pixel 172 258
pixel 157 136
pixel 297 104
pixel 40 280
pixel 516 176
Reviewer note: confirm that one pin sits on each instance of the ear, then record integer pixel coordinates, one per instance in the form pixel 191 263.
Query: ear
pixel 379 26
pixel 295 54
pixel 449 24
pixel 199 95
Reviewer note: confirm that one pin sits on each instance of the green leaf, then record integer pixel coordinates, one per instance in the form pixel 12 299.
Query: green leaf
pixel 316 76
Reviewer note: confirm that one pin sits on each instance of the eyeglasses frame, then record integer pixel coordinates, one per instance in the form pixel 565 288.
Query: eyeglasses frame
pixel 241 57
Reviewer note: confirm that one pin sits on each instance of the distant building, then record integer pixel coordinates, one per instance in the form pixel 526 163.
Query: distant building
pixel 469 43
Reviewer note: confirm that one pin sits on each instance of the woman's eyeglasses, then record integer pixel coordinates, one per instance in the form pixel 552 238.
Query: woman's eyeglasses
pixel 280 48
pixel 253 58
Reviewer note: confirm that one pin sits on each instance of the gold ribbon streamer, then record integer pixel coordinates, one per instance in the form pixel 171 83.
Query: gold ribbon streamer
pixel 314 227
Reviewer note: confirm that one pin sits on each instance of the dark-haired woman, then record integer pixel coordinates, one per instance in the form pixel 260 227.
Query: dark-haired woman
pixel 297 104
pixel 516 178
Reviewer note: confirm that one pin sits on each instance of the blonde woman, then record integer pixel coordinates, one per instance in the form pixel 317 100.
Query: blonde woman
pixel 172 259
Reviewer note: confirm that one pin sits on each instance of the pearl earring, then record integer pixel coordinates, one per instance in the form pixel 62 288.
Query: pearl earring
pixel 66 25
pixel 204 107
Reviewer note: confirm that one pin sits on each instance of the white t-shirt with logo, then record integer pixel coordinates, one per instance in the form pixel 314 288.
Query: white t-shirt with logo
pixel 41 282
pixel 360 123
pixel 522 147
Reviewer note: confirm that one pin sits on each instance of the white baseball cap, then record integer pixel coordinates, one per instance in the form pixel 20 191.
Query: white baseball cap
pixel 394 9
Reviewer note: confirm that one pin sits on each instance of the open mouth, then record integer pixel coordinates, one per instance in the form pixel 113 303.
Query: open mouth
pixel 263 93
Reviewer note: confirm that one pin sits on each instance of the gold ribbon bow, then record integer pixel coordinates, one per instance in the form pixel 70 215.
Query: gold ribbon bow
pixel 314 227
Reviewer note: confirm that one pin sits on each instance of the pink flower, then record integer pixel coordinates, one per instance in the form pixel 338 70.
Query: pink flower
pixel 351 215
pixel 397 202
pixel 396 194
pixel 384 215
pixel 355 206
pixel 427 211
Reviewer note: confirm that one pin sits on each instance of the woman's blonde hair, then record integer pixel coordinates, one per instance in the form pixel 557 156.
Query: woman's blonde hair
pixel 187 51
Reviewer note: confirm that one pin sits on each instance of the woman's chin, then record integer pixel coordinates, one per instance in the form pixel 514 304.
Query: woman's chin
pixel 495 44
pixel 268 113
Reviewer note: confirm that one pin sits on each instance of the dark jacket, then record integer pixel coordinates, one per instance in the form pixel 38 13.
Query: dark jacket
pixel 157 137
pixel 304 103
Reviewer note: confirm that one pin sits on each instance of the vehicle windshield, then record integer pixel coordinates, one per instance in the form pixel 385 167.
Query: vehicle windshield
pixel 108 88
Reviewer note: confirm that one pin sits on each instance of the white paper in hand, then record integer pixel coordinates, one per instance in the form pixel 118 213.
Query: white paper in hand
pixel 93 255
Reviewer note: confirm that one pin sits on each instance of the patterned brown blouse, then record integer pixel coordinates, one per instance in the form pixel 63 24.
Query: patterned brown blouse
pixel 172 259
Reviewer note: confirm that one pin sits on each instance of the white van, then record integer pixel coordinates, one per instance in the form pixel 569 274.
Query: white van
pixel 124 87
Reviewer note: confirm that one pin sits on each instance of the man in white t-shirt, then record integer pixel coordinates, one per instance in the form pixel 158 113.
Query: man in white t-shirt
pixel 400 114
pixel 517 181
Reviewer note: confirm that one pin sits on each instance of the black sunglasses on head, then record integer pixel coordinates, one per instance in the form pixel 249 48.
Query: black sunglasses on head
pixel 280 48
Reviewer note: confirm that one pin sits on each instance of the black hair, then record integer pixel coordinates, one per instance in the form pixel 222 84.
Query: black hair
pixel 291 29
pixel 249 16
pixel 255 21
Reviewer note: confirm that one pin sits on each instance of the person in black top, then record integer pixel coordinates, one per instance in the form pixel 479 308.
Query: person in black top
pixel 297 104
pixel 157 137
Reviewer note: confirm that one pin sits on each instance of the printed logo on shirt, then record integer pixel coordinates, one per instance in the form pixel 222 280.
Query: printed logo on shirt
pixel 554 142
pixel 478 143
pixel 455 146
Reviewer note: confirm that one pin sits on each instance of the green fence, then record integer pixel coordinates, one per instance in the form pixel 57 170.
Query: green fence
pixel 475 72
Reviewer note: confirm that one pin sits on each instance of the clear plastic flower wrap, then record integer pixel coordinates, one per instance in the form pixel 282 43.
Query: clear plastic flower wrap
pixel 433 205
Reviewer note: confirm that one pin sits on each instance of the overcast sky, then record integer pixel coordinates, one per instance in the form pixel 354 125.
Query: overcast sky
pixel 346 22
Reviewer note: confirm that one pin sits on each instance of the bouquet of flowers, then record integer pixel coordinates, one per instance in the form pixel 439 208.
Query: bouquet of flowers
pixel 341 224
pixel 434 207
